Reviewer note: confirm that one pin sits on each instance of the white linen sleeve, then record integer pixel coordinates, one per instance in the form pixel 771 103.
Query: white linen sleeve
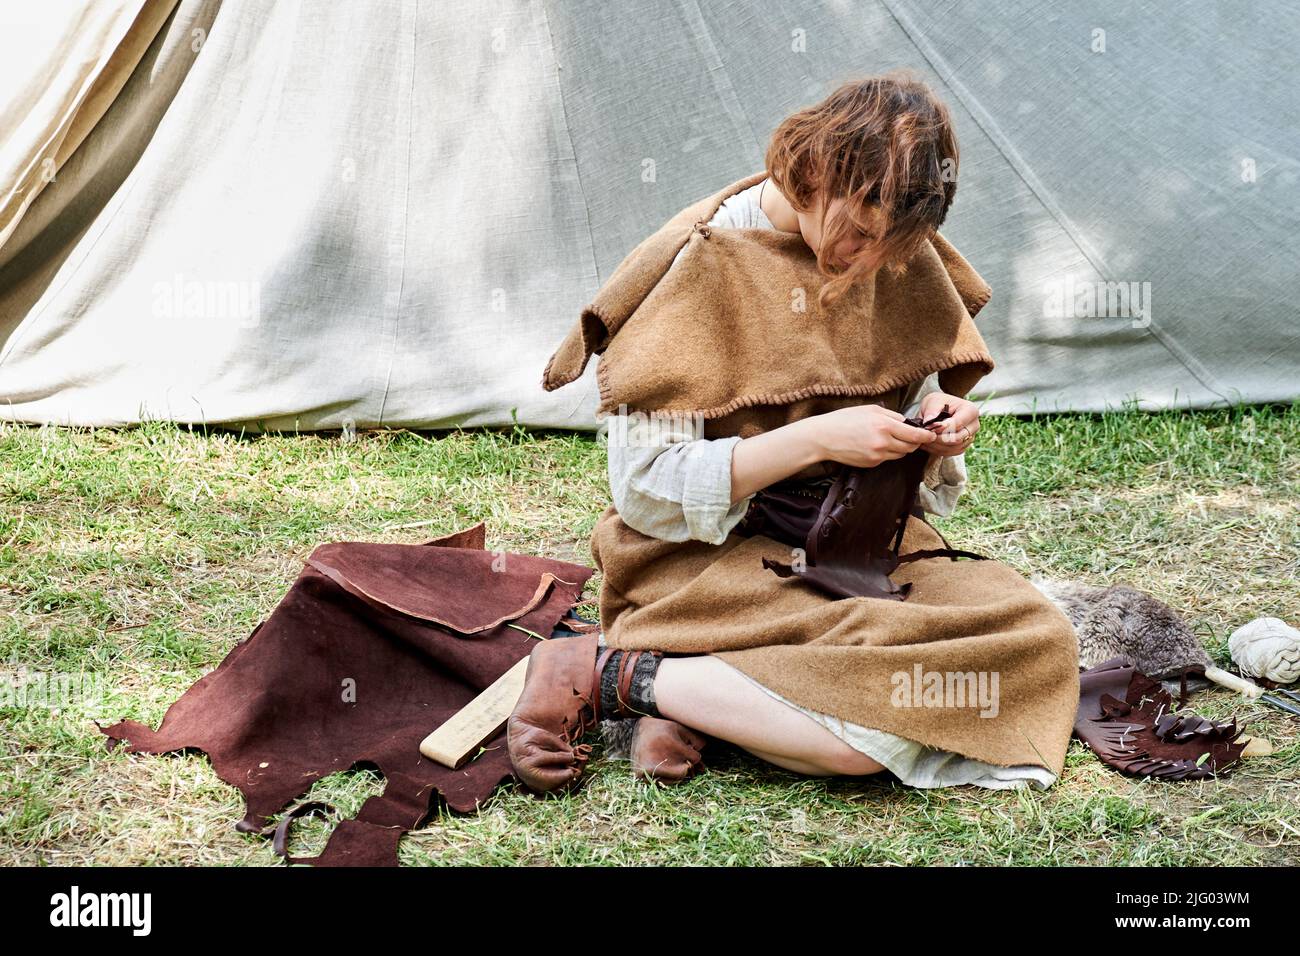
pixel 676 489
pixel 943 485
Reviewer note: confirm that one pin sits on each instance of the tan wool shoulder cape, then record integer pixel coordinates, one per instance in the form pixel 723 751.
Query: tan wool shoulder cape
pixel 976 660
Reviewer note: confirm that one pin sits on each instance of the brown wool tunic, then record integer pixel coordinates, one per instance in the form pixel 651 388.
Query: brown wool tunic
pixel 733 336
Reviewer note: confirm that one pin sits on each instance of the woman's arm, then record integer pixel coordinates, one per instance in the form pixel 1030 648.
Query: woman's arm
pixel 760 460
pixel 763 459
pixel 860 436
pixel 680 488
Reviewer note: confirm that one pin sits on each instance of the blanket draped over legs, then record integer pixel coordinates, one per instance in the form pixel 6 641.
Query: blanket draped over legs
pixel 372 648
pixel 975 661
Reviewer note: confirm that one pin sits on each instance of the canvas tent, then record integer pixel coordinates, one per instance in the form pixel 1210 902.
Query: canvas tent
pixel 299 213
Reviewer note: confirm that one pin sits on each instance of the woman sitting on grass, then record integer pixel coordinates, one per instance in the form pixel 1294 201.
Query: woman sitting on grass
pixel 801 314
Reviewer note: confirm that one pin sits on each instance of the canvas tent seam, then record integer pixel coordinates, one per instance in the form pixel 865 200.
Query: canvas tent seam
pixel 548 54
pixel 1021 169
pixel 550 63
pixel 406 215
pixel 721 80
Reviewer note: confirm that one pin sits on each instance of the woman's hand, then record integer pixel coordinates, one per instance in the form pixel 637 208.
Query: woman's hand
pixel 865 435
pixel 955 434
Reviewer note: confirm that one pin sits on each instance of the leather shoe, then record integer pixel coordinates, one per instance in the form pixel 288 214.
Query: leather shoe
pixel 557 707
pixel 561 701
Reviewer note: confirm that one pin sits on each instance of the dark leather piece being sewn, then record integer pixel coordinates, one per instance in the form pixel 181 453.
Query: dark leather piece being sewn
pixel 845 522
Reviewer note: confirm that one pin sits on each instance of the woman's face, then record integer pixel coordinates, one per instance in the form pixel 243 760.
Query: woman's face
pixel 812 226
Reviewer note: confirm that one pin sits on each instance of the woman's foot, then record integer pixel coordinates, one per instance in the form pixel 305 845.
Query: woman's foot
pixel 665 750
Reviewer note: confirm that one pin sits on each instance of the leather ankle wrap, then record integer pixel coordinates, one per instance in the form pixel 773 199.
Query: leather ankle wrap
pixel 621 706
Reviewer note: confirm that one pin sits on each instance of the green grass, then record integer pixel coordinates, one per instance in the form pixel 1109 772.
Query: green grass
pixel 142 556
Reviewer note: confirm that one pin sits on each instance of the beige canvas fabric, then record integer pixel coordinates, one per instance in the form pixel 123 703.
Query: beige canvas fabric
pixel 62 64
pixel 386 214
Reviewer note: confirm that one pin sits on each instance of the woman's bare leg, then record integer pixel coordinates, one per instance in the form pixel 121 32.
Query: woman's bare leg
pixel 714 698
pixel 789 763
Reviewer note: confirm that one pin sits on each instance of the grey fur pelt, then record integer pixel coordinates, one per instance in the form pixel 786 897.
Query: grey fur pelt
pixel 1122 621
pixel 616 735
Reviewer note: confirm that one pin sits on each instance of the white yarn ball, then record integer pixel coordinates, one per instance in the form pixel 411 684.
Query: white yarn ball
pixel 1267 647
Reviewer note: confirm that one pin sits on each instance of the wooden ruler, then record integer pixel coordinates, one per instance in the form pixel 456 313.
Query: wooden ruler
pixel 459 737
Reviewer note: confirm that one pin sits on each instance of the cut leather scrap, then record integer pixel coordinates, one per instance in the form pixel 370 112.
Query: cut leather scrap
pixel 332 680
pixel 1129 721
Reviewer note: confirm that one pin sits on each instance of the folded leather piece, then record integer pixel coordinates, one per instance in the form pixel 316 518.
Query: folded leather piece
pixel 1128 720
pixel 372 648
pixel 846 537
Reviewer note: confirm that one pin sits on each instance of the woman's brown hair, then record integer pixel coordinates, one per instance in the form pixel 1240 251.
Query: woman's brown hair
pixel 884 144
